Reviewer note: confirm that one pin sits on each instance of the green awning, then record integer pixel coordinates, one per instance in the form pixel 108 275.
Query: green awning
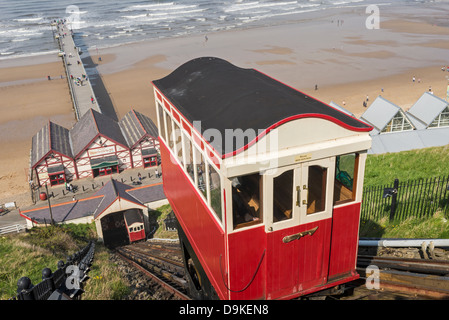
pixel 104 162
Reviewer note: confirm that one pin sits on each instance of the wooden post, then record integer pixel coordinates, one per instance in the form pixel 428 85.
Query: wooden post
pixel 394 199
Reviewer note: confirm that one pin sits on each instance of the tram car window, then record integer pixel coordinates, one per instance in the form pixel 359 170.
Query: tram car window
pixel 189 157
pixel 246 200
pixel 215 191
pixel 345 178
pixel 161 114
pixel 200 172
pixel 274 214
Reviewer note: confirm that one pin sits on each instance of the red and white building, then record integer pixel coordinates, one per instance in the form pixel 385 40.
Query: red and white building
pixel 95 146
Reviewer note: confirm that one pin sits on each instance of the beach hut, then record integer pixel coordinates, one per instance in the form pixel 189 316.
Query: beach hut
pixel 425 124
pixel 429 111
pixel 386 117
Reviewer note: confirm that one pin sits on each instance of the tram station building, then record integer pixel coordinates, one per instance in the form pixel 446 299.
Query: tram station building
pixel 95 146
pixel 115 208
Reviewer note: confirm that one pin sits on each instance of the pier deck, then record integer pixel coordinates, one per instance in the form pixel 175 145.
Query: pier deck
pixel 83 96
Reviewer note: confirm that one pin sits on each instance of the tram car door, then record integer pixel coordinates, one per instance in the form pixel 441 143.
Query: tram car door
pixel 299 225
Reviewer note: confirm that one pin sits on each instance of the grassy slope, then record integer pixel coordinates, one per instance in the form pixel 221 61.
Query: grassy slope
pixel 407 165
pixel 28 253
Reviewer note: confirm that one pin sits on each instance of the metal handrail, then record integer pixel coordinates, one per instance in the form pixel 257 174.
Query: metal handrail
pixel 12 228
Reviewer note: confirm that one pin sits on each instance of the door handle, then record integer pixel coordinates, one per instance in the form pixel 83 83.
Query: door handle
pixel 298 195
pixel 297 236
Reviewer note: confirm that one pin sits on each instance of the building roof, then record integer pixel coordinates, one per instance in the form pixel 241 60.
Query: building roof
pixel 337 106
pixel 409 140
pixel 112 191
pixel 64 212
pixel 51 137
pixel 147 194
pixel 426 109
pixel 380 113
pixel 223 96
pixel 136 126
pixel 98 203
pixel 92 124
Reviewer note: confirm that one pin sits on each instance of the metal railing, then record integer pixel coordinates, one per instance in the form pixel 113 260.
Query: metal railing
pixel 64 284
pixel 400 200
pixel 12 228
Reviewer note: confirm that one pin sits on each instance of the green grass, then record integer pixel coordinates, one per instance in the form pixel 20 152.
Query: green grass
pixel 435 227
pixel 157 217
pixel 407 165
pixel 28 253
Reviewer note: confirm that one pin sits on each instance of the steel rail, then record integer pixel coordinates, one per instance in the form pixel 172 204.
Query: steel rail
pixel 154 277
pixel 160 262
pixel 437 267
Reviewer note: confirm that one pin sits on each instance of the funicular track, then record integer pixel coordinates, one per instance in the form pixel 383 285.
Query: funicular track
pixel 413 278
pixel 398 278
pixel 159 260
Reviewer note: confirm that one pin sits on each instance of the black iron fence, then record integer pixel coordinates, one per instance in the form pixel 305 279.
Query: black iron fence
pixel 64 284
pixel 403 199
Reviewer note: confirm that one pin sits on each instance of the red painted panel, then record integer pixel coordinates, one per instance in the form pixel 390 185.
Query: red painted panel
pixel 247 263
pixel 203 231
pixel 167 105
pixel 300 264
pixel 136 235
pixel 175 114
pixel 186 127
pixel 345 237
pixel 158 96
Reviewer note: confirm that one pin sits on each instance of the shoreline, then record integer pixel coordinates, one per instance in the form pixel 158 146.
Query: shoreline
pixel 347 63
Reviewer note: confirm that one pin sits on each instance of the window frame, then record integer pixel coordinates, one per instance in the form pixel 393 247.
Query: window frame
pixel 355 180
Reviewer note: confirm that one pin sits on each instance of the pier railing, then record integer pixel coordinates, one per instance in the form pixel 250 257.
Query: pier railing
pixel 64 284
pixel 72 93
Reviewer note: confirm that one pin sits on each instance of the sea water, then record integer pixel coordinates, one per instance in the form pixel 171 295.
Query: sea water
pixel 26 30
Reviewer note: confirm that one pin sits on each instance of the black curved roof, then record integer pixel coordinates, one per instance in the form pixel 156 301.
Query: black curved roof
pixel 223 96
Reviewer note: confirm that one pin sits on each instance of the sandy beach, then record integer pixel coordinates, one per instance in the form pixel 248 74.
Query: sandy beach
pixel 346 61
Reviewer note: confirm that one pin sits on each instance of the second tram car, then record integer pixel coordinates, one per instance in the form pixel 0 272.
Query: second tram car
pixel 265 182
pixel 134 224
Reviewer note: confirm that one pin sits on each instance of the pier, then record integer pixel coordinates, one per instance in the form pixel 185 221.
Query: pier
pixel 81 90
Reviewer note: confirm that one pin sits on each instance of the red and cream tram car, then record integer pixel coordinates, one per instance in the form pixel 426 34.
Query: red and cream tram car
pixel 134 225
pixel 265 182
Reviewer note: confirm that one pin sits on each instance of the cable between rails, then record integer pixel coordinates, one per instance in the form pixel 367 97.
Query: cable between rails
pixel 250 281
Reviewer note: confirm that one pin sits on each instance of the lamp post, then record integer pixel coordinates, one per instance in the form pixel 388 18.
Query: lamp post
pixel 49 205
